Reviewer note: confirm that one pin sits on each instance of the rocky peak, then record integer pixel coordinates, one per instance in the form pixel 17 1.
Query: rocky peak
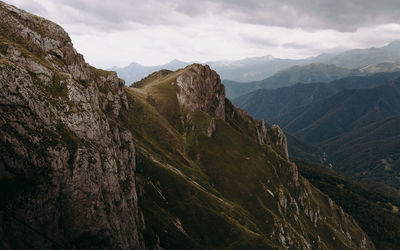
pixel 279 141
pixel 201 89
pixel 68 166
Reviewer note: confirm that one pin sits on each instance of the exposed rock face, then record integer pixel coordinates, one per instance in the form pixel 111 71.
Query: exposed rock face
pixel 240 119
pixel 67 167
pixel 201 89
pixel 279 140
pixel 211 128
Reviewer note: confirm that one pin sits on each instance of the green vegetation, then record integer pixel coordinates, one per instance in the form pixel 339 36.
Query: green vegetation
pixel 375 211
pixel 175 181
pixel 354 120
pixel 197 191
pixel 275 105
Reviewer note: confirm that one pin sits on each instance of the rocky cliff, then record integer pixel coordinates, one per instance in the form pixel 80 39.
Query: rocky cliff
pixel 168 163
pixel 67 166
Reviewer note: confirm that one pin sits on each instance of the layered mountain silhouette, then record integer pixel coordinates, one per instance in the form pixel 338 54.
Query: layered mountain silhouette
pixel 168 163
pixel 269 104
pixel 259 68
pixel 296 74
pixel 354 120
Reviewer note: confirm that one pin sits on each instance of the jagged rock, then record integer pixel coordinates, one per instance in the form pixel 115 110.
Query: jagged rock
pixel 69 167
pixel 240 119
pixel 201 89
pixel 279 140
pixel 211 129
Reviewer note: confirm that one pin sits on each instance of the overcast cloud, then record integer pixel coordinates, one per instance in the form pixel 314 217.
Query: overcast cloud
pixel 156 31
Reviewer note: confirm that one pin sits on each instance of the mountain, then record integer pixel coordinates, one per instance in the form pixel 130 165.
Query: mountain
pixel 226 151
pixel 270 104
pixel 354 120
pixel 311 73
pixel 296 74
pixel 305 74
pixel 169 163
pixel 357 128
pixel 253 69
pixel 382 165
pixel 359 58
pixel 343 112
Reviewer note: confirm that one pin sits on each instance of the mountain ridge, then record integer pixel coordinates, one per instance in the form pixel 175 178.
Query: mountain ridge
pixel 269 104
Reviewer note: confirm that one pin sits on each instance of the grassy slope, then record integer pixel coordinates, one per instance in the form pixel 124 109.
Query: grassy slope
pixel 196 191
pixel 174 181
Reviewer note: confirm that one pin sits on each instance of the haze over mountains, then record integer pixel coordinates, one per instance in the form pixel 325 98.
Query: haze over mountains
pixel 259 68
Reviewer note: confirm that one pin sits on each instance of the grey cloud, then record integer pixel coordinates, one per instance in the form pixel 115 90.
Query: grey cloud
pixel 342 15
pixel 297 46
pixel 259 42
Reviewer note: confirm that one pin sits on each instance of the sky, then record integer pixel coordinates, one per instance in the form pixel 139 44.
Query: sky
pixel 154 32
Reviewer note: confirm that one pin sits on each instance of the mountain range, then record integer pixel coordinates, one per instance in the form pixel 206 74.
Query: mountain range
pixel 167 163
pixel 268 104
pixel 354 120
pixel 306 74
pixel 259 68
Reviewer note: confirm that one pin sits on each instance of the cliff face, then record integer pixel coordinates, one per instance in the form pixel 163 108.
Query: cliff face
pixel 88 163
pixel 67 166
pixel 200 89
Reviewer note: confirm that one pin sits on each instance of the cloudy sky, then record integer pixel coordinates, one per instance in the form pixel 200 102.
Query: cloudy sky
pixel 153 32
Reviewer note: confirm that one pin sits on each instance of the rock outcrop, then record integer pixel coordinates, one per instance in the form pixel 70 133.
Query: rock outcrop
pixel 67 166
pixel 201 89
pixel 278 138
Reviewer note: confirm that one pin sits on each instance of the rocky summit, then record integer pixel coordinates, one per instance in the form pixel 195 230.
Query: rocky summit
pixel 168 163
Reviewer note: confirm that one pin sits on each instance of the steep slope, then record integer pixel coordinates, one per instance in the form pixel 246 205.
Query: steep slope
pixel 88 163
pixel 343 112
pixel 375 149
pixel 67 167
pixel 375 211
pixel 226 182
pixel 270 104
pixel 359 129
